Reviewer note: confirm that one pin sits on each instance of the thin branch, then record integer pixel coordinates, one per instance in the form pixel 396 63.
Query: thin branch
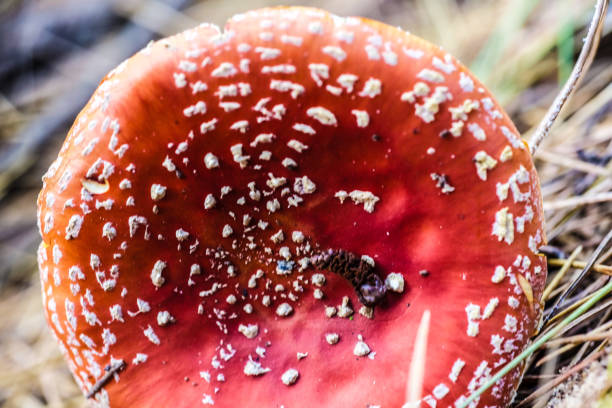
pixel 582 65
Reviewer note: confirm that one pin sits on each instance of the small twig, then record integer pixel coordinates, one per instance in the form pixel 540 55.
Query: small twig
pixel 600 248
pixel 578 201
pixel 112 369
pixel 580 338
pixel 574 164
pixel 554 353
pixel 605 269
pixel 567 263
pixel 582 64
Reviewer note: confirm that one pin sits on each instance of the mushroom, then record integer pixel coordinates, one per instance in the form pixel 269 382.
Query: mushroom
pixel 228 200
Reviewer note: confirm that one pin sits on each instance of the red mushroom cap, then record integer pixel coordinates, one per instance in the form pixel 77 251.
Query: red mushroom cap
pixel 261 217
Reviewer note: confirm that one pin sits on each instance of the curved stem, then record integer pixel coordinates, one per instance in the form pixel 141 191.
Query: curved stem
pixel 582 65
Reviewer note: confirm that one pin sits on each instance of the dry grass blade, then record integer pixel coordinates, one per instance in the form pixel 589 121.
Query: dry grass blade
pixel 602 246
pixel 559 276
pixel 580 68
pixel 605 269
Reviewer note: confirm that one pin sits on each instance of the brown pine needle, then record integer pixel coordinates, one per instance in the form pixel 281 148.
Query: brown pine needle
pixel 581 338
pixel 605 269
pixel 578 201
pixel 565 265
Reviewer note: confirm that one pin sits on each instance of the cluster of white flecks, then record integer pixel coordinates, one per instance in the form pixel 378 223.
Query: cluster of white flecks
pixel 284 252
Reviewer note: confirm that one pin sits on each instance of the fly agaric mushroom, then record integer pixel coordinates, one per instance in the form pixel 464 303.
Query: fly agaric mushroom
pixel 193 251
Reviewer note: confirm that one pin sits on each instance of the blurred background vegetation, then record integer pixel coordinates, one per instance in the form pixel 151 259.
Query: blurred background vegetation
pixel 53 53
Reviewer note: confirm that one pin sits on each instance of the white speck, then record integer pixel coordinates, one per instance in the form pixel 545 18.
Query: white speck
pixel 287 86
pixel 345 36
pixel 319 72
pixel 510 323
pixel 457 128
pixel 490 308
pixel 158 192
pixel 361 348
pixel 156 274
pixel 431 106
pixel 227 231
pixel 290 376
pixel 267 53
pixel 179 80
pixel 229 106
pixel 440 391
pixel 297 237
pixel 301 356
pixel 287 39
pixel 456 370
pixel 289 163
pixel 273 205
pixel 503 227
pixel 209 202
pixel 242 126
pixel 332 338
pixel 513 302
pixel 506 154
pixel 206 127
pixel 324 116
pixel 164 318
pixel 125 184
pixel 477 131
pixel 139 359
pixel 430 75
pixel 284 310
pixel 250 331
pixel 303 185
pixel 315 27
pixel 483 163
pixel 413 53
pixel 239 158
pixel 108 231
pixel 116 313
pixel 262 138
pixel 344 309
pixel 297 145
pixel 347 81
pixel 224 70
pixel 318 279
pixel 395 282
pixel 499 274
pixel 366 198
pixel 442 183
pixel 371 88
pixel 150 334
pixel 278 69
pixel 300 127
pixel 445 66
pixel 363 118
pixel 254 368
pixel 74 227
pixel 199 108
pixel 211 161
pixel 335 52
pixel 181 234
pixel 513 138
pixel 466 83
